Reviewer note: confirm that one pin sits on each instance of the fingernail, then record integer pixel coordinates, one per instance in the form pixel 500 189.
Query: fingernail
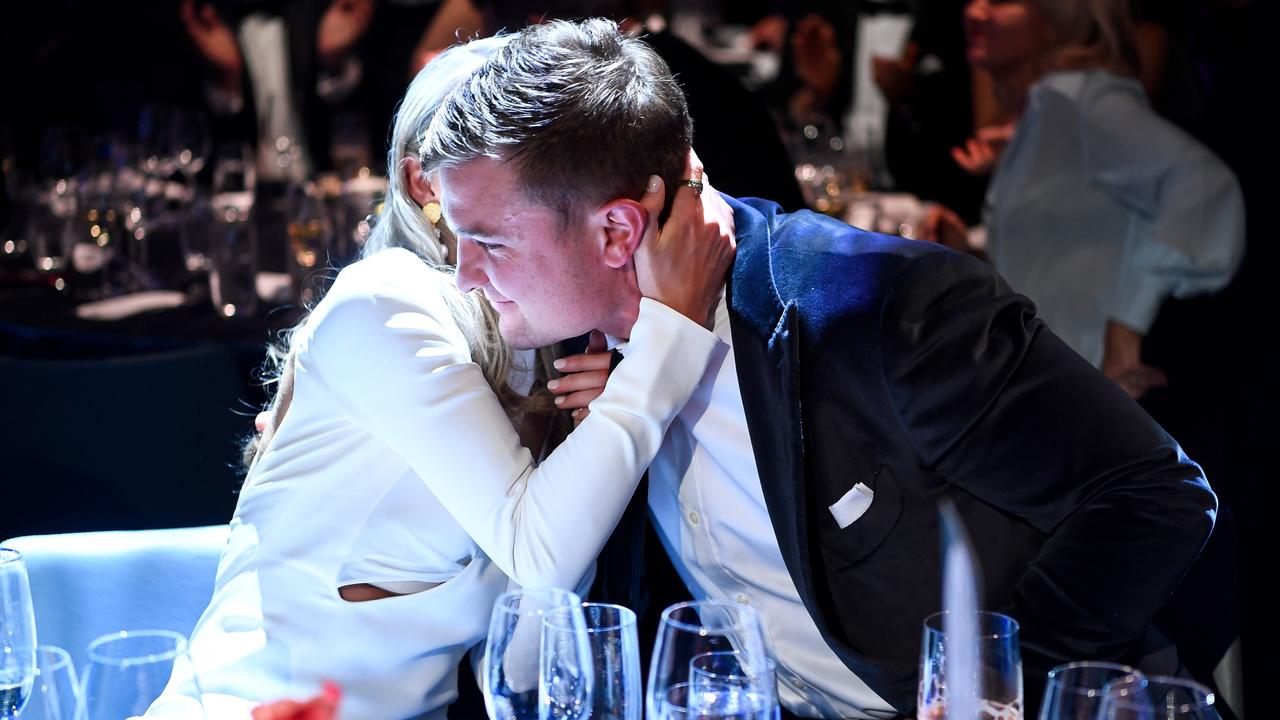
pixel 560 400
pixel 558 364
pixel 553 384
pixel 332 693
pixel 655 183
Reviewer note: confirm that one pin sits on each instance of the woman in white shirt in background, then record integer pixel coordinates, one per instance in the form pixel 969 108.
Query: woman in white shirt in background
pixel 390 499
pixel 1098 208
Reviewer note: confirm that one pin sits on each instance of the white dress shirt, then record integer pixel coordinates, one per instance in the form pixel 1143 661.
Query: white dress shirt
pixel 707 503
pixel 1100 209
pixel 396 464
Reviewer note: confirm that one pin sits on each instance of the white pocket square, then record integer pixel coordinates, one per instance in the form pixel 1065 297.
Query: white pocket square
pixel 851 507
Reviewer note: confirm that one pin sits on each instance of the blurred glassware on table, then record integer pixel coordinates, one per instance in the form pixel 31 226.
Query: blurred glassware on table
pixel 1075 690
pixel 56 693
pixel 311 240
pixel 127 671
pixel 17 635
pixel 690 629
pixel 234 238
pixel 827 174
pixel 523 678
pixel 1156 697
pixel 998 680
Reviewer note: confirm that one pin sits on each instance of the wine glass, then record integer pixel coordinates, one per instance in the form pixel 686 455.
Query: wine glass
pixel 127 671
pixel 995 668
pixel 233 251
pixel 694 628
pixel 172 140
pixel 614 656
pixel 1074 691
pixel 1156 697
pixel 516 667
pixel 56 693
pixel 724 684
pixel 311 240
pixel 17 635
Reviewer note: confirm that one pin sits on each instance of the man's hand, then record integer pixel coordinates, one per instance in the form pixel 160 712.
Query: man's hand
pixel 584 377
pixel 1122 361
pixel 817 56
pixel 341 27
pixel 215 42
pixel 982 151
pixel 941 225
pixel 683 264
pixel 321 707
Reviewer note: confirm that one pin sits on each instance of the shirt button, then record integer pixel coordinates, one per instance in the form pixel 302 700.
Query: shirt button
pixel 694 517
pixel 743 599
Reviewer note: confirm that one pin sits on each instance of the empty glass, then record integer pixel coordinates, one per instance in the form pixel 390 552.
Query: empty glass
pixel 724 684
pixel 615 656
pixel 1156 697
pixel 996 667
pixel 17 635
pixel 520 680
pixel 127 671
pixel 56 694
pixel 1074 691
pixel 695 628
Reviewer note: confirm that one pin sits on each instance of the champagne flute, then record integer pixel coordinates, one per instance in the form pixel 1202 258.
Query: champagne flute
pixel 1156 697
pixel 233 251
pixel 694 628
pixel 1074 691
pixel 17 635
pixel 995 668
pixel 127 671
pixel 514 667
pixel 614 659
pixel 56 694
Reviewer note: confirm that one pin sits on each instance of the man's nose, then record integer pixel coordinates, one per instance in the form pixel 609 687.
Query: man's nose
pixel 469 275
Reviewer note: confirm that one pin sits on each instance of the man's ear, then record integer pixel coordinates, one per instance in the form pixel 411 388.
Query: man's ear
pixel 621 224
pixel 419 187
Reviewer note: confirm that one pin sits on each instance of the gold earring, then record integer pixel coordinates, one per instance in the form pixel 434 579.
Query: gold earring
pixel 432 212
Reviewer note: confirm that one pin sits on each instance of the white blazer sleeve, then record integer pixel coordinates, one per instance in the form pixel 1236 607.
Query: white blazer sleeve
pixel 399 367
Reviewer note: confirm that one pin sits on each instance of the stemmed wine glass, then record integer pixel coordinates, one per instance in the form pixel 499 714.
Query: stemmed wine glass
pixel 127 671
pixel 56 693
pixel 524 677
pixel 724 684
pixel 688 630
pixel 17 635
pixel 1074 691
pixel 1156 697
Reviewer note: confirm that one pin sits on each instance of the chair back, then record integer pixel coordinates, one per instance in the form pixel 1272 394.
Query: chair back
pixel 84 585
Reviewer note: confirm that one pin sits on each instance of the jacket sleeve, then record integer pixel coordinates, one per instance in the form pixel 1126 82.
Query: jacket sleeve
pixel 1001 408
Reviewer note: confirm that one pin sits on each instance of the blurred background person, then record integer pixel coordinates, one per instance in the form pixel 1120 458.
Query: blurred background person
pixel 1098 208
pixel 278 70
pixel 735 135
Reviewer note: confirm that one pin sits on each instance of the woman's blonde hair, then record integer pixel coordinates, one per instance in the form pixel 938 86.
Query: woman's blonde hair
pixel 401 223
pixel 1091 34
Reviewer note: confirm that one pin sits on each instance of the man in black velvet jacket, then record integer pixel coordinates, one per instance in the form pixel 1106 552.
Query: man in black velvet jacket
pixel 859 358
